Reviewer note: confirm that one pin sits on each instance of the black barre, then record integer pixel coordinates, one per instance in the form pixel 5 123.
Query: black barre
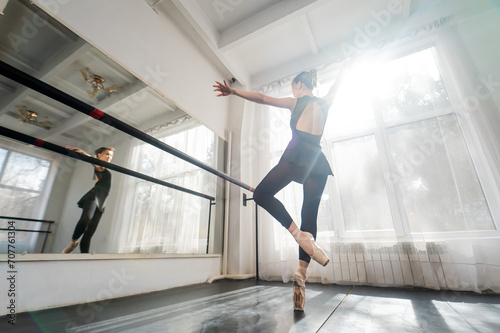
pixel 63 151
pixel 60 96
pixel 24 219
pixel 27 230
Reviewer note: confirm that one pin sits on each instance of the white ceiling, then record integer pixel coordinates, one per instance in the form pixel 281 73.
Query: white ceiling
pixel 260 41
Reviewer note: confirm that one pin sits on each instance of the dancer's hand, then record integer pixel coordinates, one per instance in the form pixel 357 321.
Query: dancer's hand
pixel 224 89
pixel 78 150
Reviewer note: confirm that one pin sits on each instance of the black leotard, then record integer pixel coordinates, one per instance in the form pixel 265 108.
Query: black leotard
pixel 100 191
pixel 304 149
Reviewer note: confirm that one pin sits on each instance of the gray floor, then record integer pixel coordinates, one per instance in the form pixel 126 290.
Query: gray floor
pixel 252 306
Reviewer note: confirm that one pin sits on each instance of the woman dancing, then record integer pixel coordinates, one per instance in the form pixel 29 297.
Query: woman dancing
pixel 92 203
pixel 302 162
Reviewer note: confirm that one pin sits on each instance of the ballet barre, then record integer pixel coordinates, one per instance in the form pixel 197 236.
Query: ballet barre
pixel 64 151
pixel 62 97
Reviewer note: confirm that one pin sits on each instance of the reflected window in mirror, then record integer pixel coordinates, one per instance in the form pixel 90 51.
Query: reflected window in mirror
pixel 165 220
pixel 26 179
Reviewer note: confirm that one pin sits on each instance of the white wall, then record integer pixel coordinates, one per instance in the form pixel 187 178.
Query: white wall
pixel 46 281
pixel 241 240
pixel 55 205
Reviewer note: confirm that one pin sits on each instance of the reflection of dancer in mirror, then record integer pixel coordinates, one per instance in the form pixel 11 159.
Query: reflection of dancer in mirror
pixel 302 162
pixel 92 203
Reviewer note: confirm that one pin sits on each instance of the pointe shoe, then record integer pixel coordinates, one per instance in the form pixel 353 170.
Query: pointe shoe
pixel 70 247
pixel 299 292
pixel 318 254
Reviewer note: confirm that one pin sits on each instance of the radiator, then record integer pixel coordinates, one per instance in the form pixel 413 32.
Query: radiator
pixel 400 264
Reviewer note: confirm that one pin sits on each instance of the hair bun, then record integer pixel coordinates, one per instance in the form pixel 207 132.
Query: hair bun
pixel 308 78
pixel 314 77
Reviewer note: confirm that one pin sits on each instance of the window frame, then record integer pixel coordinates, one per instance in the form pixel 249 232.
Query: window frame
pixel 44 194
pixel 380 132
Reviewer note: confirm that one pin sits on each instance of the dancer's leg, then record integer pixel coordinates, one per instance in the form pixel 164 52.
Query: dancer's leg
pixel 279 177
pixel 89 232
pixel 313 190
pixel 87 210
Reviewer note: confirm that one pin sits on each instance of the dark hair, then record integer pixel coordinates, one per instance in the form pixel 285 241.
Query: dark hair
pixel 102 149
pixel 309 78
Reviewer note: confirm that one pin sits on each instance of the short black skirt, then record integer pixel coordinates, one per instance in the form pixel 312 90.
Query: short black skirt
pixel 308 155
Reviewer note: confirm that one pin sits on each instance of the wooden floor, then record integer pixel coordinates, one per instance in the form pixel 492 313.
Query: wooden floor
pixel 256 306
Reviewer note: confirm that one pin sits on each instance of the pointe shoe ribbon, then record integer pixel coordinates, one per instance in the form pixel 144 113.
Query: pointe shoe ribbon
pixel 318 254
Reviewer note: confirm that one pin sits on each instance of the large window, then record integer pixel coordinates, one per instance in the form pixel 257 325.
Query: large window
pixel 405 165
pixel 165 220
pixel 22 181
pixel 23 188
pixel 401 162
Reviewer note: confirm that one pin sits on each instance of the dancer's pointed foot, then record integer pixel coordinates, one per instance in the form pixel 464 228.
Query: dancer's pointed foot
pixel 71 246
pixel 299 292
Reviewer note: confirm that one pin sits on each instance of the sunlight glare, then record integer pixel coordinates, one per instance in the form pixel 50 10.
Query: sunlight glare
pixel 352 107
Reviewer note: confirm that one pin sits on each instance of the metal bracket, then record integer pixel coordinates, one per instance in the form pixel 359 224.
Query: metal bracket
pixel 245 199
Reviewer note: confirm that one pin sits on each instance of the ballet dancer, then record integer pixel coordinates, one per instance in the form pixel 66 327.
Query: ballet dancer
pixel 92 203
pixel 303 162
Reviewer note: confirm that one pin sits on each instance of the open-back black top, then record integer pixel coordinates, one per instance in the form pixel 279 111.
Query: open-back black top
pixel 304 149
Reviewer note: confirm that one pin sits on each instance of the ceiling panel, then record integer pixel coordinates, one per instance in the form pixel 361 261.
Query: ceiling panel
pixel 282 44
pixel 337 21
pixel 25 37
pixel 224 14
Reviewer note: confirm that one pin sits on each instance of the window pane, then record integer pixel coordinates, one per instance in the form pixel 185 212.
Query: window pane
pixel 436 177
pixel 198 142
pixel 166 220
pixel 17 203
pixel 362 189
pixel 26 172
pixel 410 85
pixel 352 108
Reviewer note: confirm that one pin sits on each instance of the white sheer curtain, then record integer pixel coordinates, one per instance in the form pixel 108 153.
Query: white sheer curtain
pixel 162 219
pixel 414 200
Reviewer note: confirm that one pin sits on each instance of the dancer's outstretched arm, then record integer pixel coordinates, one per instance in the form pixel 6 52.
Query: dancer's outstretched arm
pixel 332 93
pixel 81 151
pixel 78 150
pixel 253 96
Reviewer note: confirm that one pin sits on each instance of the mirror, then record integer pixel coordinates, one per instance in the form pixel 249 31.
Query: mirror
pixel 138 216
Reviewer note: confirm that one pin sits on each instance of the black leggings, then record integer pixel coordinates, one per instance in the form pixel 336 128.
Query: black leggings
pixel 279 177
pixel 86 226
